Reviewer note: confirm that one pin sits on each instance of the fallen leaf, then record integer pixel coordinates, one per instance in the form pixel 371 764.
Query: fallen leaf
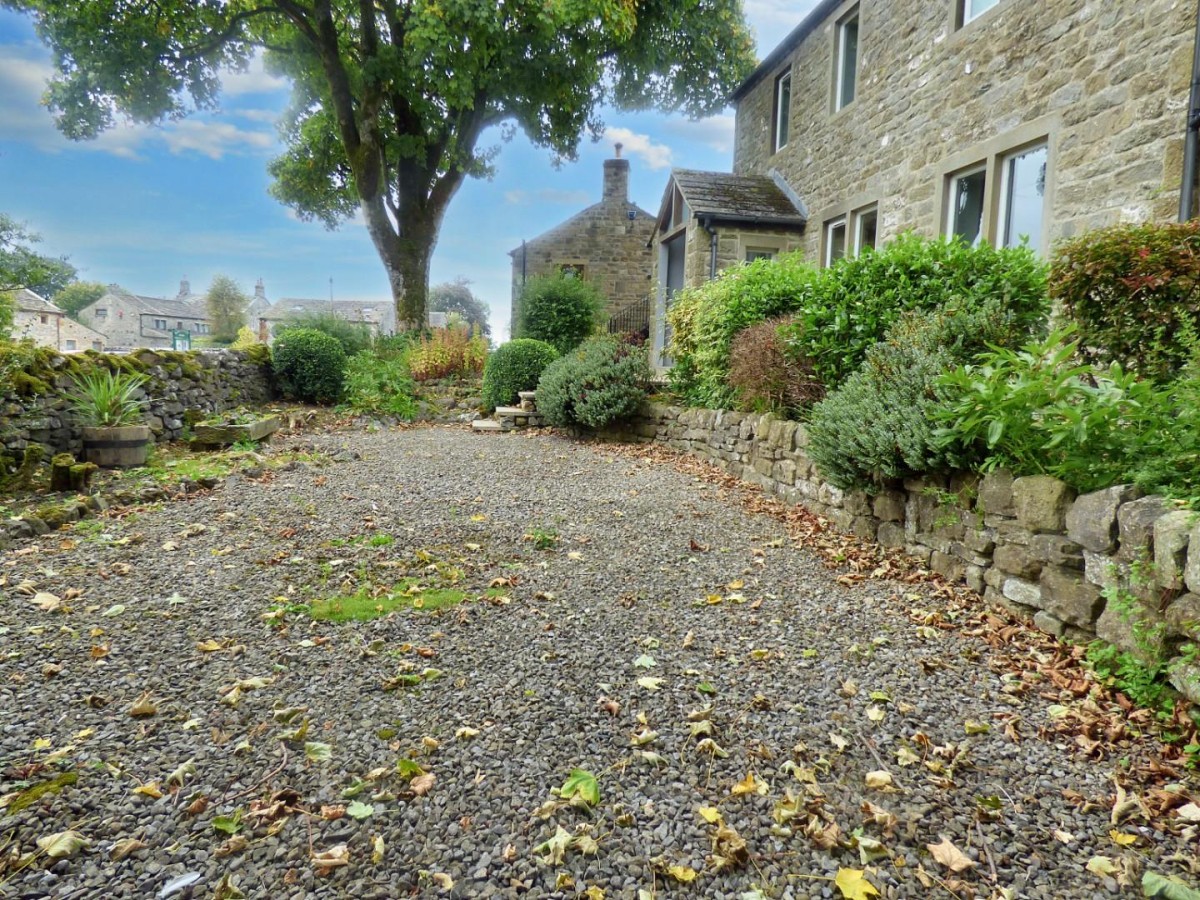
pixel 422 784
pixel 227 890
pixel 1121 839
pixel 650 684
pixel 1064 836
pixel 751 784
pixel 553 850
pixel 45 601
pixel 126 847
pixel 683 874
pixel 338 855
pixel 377 849
pixel 880 780
pixel 1168 888
pixel 63 844
pixel 950 856
pixel 710 814
pixel 151 790
pixel 209 646
pixel 854 885
pixel 1101 865
pixel 645 661
pixel 442 880
pixel 315 751
pixel 583 783
pixel 360 811
pixel 143 707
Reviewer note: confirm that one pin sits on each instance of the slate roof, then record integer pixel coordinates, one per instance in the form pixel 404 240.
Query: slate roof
pixel 28 301
pixel 723 197
pixel 384 311
pixel 156 305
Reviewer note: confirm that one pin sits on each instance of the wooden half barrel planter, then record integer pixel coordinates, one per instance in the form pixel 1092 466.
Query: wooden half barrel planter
pixel 117 447
pixel 215 435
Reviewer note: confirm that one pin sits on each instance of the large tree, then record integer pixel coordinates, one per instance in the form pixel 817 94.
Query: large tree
pixel 391 96
pixel 226 305
pixel 77 295
pixel 23 267
pixel 457 297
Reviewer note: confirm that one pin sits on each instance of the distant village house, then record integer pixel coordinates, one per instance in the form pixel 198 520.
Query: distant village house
pixel 37 319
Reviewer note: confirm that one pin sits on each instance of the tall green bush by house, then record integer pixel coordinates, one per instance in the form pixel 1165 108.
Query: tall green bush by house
pixel 881 422
pixel 309 365
pixel 705 319
pixel 561 310
pixel 514 367
pixel 600 382
pixel 1132 290
pixel 353 336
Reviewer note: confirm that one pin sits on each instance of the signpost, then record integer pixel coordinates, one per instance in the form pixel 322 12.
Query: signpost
pixel 181 340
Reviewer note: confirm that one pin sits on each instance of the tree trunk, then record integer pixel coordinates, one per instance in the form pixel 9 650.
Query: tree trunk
pixel 406 260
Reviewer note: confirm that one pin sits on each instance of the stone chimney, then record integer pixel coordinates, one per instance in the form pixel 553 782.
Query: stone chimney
pixel 185 287
pixel 260 292
pixel 616 179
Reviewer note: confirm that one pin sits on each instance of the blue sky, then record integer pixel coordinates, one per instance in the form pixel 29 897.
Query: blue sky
pixel 145 207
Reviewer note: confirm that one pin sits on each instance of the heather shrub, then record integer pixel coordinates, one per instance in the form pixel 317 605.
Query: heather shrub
pixel 600 382
pixel 766 375
pixel 514 367
pixel 560 310
pixel 309 365
pixel 705 319
pixel 1131 290
pixel 447 351
pixel 880 423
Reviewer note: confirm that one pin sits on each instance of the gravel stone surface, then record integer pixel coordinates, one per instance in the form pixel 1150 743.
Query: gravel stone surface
pixel 614 570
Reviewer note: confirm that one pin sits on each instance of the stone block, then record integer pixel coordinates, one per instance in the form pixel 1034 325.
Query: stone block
pixel 961 551
pixel 784 471
pixel 890 535
pixel 919 552
pixel 1050 624
pixel 1183 616
pixel 800 439
pixel 889 506
pixel 1092 520
pixel 947 566
pixel 857 503
pixel 1056 549
pixel 996 493
pixel 1134 628
pixel 1135 523
pixel 994 578
pixel 1185 678
pixel 1191 574
pixel 1104 571
pixel 994 597
pixel 973 578
pixel 980 540
pixel 1042 503
pixel 1018 561
pixel 831 496
pixel 1069 596
pixel 1024 592
pixel 1172 535
pixel 864 527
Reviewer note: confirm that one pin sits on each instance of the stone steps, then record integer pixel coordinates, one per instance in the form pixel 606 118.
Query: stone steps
pixel 506 418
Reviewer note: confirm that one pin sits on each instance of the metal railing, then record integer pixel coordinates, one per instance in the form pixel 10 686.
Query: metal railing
pixel 633 319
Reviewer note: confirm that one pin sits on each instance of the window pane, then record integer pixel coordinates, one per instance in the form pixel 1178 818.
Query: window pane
pixel 966 213
pixel 836 243
pixel 783 107
pixel 973 8
pixel 752 255
pixel 848 77
pixel 868 223
pixel 1025 198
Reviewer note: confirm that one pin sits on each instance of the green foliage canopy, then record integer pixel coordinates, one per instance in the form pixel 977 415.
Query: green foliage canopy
pixel 561 310
pixel 74 297
pixel 457 297
pixel 23 267
pixel 390 97
pixel 225 304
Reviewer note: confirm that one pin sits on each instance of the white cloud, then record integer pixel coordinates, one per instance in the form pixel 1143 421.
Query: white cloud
pixel 269 116
pixel 255 80
pixel 24 72
pixel 716 132
pixel 655 156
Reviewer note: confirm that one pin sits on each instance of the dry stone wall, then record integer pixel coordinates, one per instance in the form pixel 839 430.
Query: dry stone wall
pixel 34 408
pixel 1112 563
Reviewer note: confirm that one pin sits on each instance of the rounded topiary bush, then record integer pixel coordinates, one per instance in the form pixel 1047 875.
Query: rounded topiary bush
pixel 309 365
pixel 560 310
pixel 514 367
pixel 601 382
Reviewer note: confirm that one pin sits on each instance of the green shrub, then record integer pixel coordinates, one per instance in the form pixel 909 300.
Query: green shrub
pixel 705 319
pixel 514 367
pixel 309 365
pixel 353 336
pixel 853 303
pixel 600 382
pixel 879 424
pixel 844 310
pixel 560 310
pixel 1038 410
pixel 1132 289
pixel 378 384
pixel 766 376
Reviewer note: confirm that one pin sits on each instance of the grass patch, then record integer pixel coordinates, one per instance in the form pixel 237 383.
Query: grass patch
pixel 32 795
pixel 367 603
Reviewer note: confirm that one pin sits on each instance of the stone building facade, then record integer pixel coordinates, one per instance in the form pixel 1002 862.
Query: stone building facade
pixel 991 119
pixel 130 320
pixel 608 244
pixel 37 319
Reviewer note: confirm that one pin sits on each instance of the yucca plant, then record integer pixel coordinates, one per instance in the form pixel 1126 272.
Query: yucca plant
pixel 108 399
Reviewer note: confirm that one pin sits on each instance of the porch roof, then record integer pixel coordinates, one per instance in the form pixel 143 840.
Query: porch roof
pixel 724 197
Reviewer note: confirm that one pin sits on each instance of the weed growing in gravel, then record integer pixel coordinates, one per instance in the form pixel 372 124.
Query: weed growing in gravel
pixel 542 538
pixel 369 603
pixel 380 540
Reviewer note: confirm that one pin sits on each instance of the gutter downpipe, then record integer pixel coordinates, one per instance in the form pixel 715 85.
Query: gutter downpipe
pixel 706 224
pixel 1187 193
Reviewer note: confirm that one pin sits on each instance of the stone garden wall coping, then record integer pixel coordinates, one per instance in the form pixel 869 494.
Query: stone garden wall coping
pixel 1108 563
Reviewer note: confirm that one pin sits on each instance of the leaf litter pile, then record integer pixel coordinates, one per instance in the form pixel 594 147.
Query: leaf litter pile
pixel 658 682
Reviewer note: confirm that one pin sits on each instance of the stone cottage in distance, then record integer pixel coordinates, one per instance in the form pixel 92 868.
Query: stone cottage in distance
pixel 993 120
pixel 608 244
pixel 37 319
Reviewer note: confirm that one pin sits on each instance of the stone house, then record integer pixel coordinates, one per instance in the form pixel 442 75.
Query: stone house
pixel 993 120
pixel 37 319
pixel 378 316
pixel 608 244
pixel 130 321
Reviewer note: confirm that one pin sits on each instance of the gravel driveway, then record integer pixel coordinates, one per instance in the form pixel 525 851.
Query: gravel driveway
pixel 752 723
